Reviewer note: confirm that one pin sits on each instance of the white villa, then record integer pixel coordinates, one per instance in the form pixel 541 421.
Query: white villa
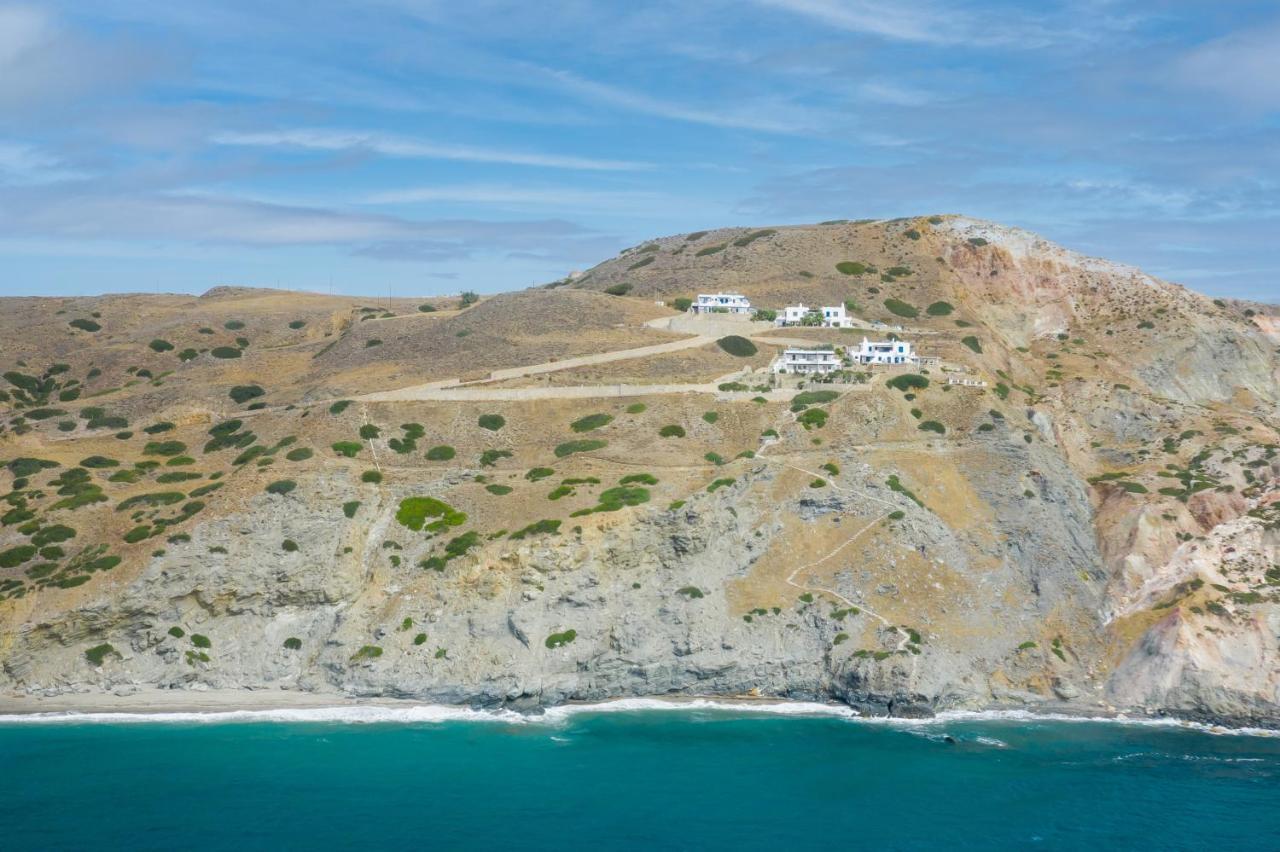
pixel 723 303
pixel 832 316
pixel 883 352
pixel 807 361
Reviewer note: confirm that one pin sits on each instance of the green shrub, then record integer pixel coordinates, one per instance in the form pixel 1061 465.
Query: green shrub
pixel 499 490
pixel 349 508
pixel 814 397
pixel 818 483
pixel 367 652
pixel 289 546
pixel 682 304
pixel 347 448
pixel 164 448
pixel 590 422
pixel 671 430
pixel 371 476
pixel 897 307
pixel 812 418
pixel 420 639
pixel 972 343
pixel 559 640
pixel 489 458
pixel 414 513
pixel 546 527
pixel 299 454
pixel 372 342
pixel 748 239
pixel 897 515
pixel 939 309
pixel 710 250
pixel 15 556
pixel 225 352
pixel 710 416
pixel 908 381
pixel 244 393
pixel 443 452
pixel 159 345
pixel 368 432
pixel 281 486
pixel 691 592
pixel 895 484
pixel 98 653
pixel 98 462
pixel 427 308
pixel 339 406
pixel 157 428
pixel 492 422
pixel 636 408
pixel 853 267
pixel 720 483
pixel 85 325
pixel 624 288
pixel 932 426
pixel 737 346
pixel 977 241
pixel 642 478
pixel 568 448
pixel 537 473
pixel 293 643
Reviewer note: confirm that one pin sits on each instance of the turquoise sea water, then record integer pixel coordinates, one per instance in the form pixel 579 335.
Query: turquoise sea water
pixel 689 779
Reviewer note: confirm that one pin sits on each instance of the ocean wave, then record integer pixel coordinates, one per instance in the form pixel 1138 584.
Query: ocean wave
pixel 561 714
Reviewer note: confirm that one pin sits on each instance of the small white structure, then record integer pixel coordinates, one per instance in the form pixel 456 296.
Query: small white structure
pixel 807 361
pixel 721 303
pixel 831 316
pixel 884 352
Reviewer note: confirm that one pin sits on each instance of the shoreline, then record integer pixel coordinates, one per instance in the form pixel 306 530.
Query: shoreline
pixel 222 706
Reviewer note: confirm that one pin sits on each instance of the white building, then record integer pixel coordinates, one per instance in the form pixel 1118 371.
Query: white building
pixel 723 303
pixel 830 316
pixel 807 361
pixel 883 352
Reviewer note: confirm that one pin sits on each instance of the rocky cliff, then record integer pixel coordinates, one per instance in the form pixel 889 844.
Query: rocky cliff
pixel 199 495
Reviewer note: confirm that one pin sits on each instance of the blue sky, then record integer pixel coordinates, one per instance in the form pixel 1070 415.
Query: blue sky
pixel 427 147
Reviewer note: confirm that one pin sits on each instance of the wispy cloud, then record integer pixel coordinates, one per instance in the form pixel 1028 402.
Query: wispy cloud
pixel 769 115
pixel 23 164
pixel 919 22
pixel 501 195
pixel 1243 67
pixel 390 145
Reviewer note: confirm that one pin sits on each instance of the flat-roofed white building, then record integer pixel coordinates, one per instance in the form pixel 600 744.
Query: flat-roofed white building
pixel 883 352
pixel 831 316
pixel 721 303
pixel 807 361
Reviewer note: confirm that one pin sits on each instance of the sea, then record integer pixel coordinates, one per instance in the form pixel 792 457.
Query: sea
pixel 630 775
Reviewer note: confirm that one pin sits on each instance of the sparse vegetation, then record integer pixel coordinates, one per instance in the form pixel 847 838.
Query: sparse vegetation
pixel 737 346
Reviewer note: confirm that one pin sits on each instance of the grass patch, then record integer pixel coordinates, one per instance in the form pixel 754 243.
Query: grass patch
pixel 895 484
pixel 99 653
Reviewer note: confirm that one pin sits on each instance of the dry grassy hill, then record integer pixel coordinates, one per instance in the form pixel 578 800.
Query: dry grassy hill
pixel 205 492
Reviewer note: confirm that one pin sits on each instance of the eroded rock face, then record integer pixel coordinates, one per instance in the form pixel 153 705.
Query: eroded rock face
pixel 1096 529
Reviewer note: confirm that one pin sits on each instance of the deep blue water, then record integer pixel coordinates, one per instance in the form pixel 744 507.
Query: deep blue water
pixel 657 780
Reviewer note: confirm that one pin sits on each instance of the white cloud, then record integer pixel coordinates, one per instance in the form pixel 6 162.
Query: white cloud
pixel 513 195
pixel 893 20
pixel 390 145
pixel 771 116
pixel 1243 66
pixel 22 164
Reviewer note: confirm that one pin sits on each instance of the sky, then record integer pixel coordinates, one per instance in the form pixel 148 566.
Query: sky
pixel 417 147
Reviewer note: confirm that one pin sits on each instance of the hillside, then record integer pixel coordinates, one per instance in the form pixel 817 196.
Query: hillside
pixel 568 494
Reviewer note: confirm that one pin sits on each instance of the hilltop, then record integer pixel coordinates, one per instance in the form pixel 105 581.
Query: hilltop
pixel 575 493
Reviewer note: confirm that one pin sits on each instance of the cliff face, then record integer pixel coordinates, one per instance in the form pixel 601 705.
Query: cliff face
pixel 1097 527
